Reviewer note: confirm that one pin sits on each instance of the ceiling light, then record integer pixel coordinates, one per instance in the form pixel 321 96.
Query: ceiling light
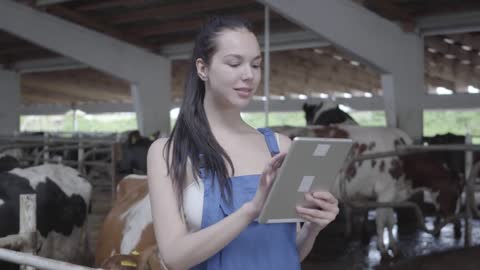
pixel 473 90
pixel 449 40
pixel 344 108
pixel 466 48
pixel 443 91
pixel 354 63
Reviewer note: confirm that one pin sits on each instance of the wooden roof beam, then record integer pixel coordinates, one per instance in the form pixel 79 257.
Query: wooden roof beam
pixel 393 12
pixel 42 95
pixel 72 89
pixel 105 4
pixel 175 10
pixel 99 26
pixel 192 24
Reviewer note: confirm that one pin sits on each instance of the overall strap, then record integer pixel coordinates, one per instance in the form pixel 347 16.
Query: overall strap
pixel 202 172
pixel 271 140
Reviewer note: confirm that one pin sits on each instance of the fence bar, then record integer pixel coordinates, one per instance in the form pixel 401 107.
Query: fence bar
pixel 38 262
pixel 14 241
pixel 28 224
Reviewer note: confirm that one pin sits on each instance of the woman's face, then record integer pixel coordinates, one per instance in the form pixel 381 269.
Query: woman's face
pixel 234 71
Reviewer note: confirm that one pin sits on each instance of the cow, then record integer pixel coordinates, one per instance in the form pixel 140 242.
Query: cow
pixel 455 160
pixel 128 226
pixel 134 153
pixel 8 162
pixel 146 260
pixel 390 179
pixel 62 199
pixel 326 113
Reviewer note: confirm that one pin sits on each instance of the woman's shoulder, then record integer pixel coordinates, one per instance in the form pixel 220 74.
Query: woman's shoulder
pixel 158 144
pixel 156 150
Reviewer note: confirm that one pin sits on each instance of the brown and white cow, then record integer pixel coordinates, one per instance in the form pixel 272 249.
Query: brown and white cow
pixel 128 228
pixel 390 179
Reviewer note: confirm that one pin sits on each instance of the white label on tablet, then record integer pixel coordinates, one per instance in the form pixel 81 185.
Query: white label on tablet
pixel 321 150
pixel 306 183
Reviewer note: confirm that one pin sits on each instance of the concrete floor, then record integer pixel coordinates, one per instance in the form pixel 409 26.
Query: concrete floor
pixel 333 253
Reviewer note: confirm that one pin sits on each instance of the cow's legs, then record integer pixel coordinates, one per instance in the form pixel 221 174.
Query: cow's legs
pixel 392 241
pixel 365 231
pixel 384 220
pixel 385 217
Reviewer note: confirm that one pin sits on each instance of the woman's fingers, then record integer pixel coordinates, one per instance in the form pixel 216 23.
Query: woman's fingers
pixel 315 213
pixel 322 204
pixel 318 221
pixel 272 166
pixel 324 195
pixel 277 160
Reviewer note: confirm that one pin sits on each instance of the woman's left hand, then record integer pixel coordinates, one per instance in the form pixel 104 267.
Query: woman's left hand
pixel 322 209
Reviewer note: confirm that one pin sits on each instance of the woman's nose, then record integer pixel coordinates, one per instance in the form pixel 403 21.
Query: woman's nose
pixel 247 73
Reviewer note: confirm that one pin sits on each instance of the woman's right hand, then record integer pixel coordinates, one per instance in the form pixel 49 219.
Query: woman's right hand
pixel 265 184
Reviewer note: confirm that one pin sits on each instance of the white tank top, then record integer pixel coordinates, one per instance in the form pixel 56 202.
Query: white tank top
pixel 193 205
pixel 193 202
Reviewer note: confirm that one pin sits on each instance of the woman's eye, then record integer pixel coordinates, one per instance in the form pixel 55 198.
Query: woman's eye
pixel 233 64
pixel 256 66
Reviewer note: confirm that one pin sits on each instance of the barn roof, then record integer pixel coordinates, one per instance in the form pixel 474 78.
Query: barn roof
pixel 452 60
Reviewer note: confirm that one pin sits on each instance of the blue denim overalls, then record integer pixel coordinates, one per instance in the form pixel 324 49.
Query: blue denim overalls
pixel 259 246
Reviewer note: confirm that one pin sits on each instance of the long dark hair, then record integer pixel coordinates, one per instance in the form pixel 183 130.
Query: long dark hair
pixel 191 137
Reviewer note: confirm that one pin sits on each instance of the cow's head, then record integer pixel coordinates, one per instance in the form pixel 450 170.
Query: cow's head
pixel 134 154
pixel 8 162
pixel 448 138
pixel 454 160
pixel 450 193
pixel 326 113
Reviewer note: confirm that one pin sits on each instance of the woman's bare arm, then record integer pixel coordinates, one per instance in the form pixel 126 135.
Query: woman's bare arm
pixel 179 248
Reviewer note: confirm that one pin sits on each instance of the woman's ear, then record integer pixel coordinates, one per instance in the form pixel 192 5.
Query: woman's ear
pixel 202 69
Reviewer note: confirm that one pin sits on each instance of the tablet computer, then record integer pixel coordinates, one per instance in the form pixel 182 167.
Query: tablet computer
pixel 311 164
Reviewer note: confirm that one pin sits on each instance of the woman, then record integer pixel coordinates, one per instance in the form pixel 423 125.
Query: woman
pixel 208 181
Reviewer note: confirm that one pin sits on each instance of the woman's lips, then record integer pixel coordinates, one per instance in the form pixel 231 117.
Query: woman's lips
pixel 244 92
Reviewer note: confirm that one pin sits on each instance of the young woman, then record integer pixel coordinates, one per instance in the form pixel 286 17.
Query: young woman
pixel 209 180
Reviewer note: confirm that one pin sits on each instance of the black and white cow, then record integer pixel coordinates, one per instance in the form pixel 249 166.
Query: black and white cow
pixel 8 162
pixel 326 113
pixel 134 153
pixel 62 203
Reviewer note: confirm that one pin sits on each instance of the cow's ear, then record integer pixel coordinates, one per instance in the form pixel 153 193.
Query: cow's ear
pixel 305 106
pixel 134 137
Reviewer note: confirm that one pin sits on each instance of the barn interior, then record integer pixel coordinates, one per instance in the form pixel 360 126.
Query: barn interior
pixel 397 56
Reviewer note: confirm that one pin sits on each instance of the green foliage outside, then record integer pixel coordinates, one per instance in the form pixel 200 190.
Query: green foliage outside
pixel 435 122
pixel 107 122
